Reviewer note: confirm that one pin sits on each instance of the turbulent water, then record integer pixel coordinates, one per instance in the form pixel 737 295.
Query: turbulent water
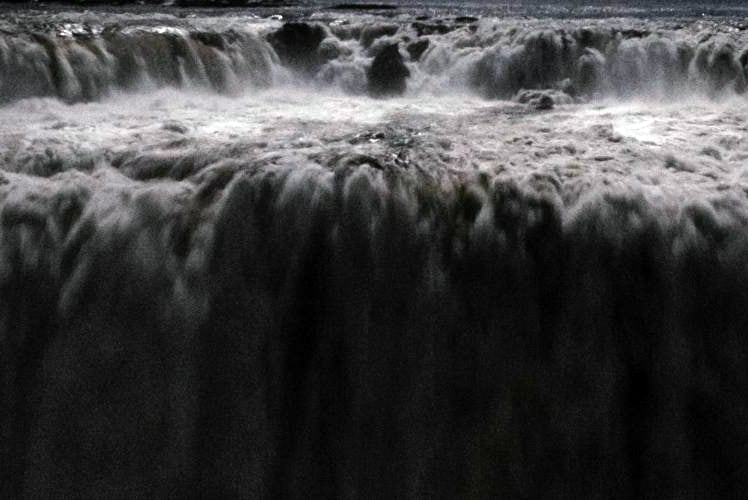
pixel 393 253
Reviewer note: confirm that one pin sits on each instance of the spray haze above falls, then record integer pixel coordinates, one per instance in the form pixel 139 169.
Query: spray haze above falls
pixel 368 254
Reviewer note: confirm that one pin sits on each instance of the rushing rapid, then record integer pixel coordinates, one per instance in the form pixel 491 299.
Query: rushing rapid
pixel 391 254
pixel 84 58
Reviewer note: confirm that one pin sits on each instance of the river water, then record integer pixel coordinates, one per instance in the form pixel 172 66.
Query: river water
pixel 413 251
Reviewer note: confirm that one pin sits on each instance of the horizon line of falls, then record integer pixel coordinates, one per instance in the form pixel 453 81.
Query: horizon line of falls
pixel 82 62
pixel 220 322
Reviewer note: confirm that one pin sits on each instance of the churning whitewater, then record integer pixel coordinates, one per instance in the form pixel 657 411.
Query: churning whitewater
pixel 374 254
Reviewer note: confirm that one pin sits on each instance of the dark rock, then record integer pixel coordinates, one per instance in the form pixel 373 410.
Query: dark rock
pixel 329 49
pixel 210 39
pixel 587 37
pixel 544 102
pixel 713 152
pixel 296 44
pixel 371 136
pixel 430 29
pixel 387 73
pixel 635 33
pixel 363 6
pixel 176 127
pixel 416 49
pixel 542 99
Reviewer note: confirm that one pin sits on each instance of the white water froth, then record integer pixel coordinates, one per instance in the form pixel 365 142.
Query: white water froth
pixel 676 148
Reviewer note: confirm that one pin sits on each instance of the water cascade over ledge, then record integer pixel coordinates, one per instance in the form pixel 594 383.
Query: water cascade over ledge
pixel 371 257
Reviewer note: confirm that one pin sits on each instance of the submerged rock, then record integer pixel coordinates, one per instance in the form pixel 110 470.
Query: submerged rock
pixel 387 73
pixel 416 49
